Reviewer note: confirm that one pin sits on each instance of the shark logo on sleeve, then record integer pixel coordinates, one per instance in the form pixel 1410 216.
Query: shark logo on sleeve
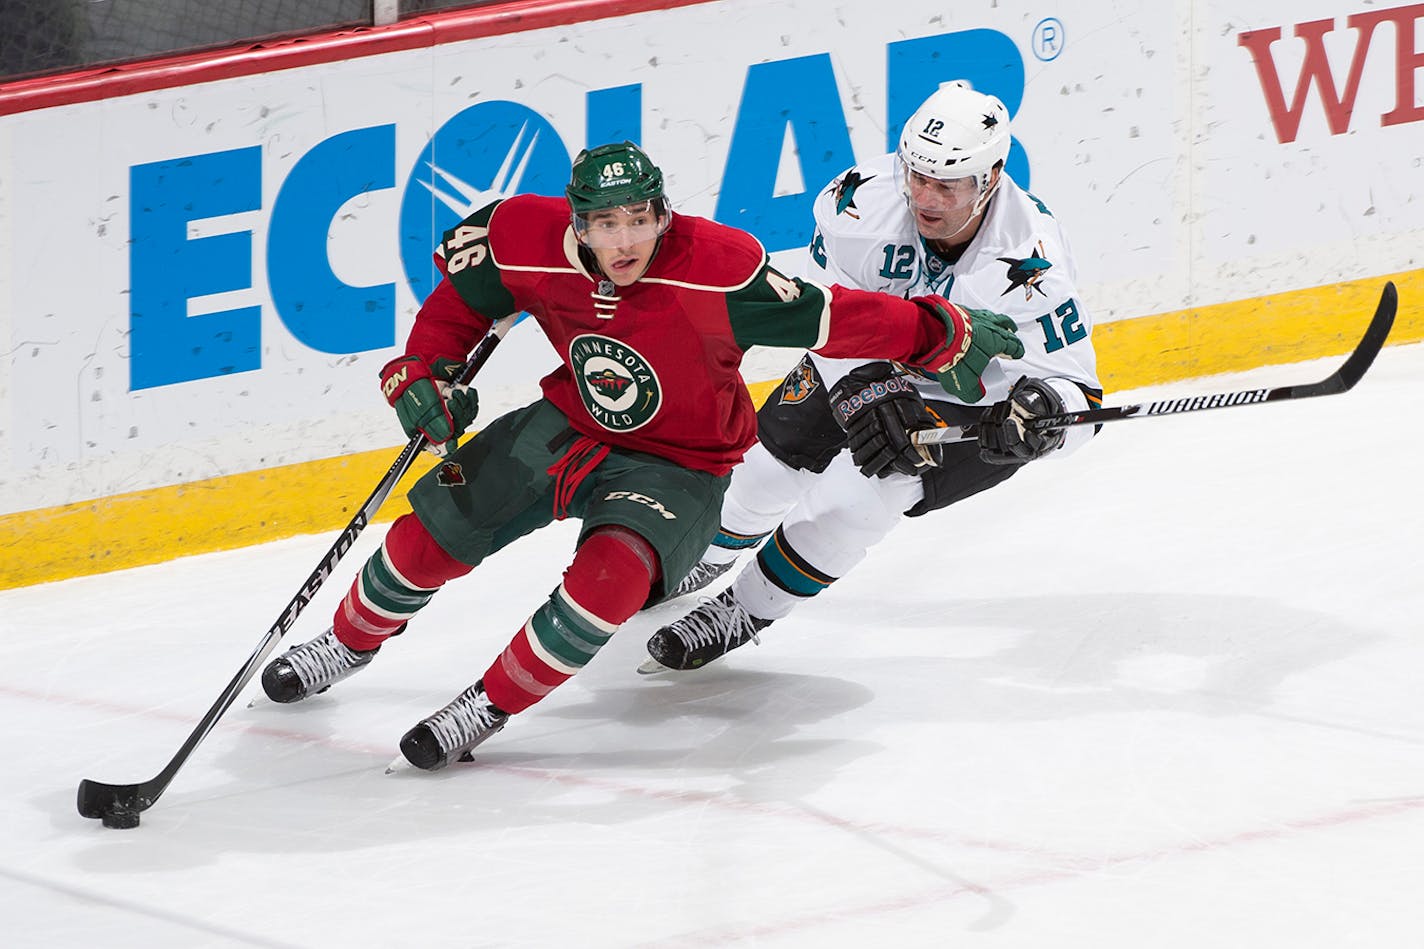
pixel 845 192
pixel 1027 272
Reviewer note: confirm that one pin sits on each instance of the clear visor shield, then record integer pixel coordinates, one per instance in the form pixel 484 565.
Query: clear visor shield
pixel 941 196
pixel 622 226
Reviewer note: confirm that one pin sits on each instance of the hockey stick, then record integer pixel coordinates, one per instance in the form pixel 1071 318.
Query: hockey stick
pixel 119 805
pixel 1341 380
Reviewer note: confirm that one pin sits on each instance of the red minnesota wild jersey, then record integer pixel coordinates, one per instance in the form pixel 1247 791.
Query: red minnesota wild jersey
pixel 652 367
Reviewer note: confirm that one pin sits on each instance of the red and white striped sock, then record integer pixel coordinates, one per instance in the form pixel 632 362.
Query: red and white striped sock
pixel 395 583
pixel 609 580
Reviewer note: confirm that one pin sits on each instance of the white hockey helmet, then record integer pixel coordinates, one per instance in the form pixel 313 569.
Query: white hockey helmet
pixel 956 133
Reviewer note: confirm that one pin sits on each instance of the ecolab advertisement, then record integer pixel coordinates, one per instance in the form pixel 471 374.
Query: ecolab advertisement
pixel 204 280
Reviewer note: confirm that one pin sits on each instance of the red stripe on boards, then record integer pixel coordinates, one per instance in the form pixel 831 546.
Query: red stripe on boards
pixel 247 59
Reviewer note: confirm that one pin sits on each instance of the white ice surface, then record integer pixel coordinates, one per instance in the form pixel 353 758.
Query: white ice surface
pixel 1163 693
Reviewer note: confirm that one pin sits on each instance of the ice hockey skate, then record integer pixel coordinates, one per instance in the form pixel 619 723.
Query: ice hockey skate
pixel 312 667
pixel 708 633
pixel 700 577
pixel 454 731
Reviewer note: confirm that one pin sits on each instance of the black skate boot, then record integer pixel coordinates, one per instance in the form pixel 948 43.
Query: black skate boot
pixel 451 733
pixel 700 577
pixel 313 667
pixel 709 632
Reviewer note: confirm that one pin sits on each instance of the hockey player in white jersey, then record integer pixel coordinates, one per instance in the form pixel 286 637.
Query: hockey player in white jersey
pixel 939 215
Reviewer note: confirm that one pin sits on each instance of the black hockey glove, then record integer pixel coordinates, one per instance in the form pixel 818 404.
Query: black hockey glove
pixel 1005 439
pixel 878 407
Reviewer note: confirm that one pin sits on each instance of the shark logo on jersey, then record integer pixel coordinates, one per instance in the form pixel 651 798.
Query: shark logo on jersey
pixel 845 192
pixel 1027 272
pixel 799 383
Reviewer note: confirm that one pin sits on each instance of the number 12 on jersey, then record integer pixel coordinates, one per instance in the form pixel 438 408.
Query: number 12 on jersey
pixel 1062 327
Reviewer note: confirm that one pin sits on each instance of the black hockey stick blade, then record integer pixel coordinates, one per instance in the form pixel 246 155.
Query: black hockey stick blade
pixel 118 805
pixel 1354 368
pixel 1341 380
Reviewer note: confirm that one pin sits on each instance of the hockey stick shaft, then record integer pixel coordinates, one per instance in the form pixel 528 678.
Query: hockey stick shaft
pixel 1341 380
pixel 95 798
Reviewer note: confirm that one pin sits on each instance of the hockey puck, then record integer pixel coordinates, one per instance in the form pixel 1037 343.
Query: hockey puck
pixel 120 818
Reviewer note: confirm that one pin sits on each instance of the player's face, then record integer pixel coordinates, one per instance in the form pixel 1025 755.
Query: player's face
pixel 623 240
pixel 943 207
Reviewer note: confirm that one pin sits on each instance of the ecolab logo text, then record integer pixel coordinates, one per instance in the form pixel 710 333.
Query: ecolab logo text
pixel 491 149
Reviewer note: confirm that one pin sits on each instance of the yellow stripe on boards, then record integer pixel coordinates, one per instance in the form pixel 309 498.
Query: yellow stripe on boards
pixel 144 527
pixel 1247 334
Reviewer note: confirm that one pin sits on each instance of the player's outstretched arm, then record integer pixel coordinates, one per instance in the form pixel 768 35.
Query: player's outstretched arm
pixel 930 333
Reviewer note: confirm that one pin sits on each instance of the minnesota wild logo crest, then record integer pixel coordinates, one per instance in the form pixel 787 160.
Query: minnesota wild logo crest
pixel 617 385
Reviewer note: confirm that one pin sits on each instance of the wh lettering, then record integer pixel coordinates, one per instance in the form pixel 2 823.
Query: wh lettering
pixel 1315 70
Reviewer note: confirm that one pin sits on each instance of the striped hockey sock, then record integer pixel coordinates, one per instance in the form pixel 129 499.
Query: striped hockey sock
pixel 396 582
pixel 556 642
pixel 788 571
pixel 735 542
pixel 608 581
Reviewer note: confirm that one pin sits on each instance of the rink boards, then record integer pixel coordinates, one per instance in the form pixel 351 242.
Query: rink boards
pixel 204 261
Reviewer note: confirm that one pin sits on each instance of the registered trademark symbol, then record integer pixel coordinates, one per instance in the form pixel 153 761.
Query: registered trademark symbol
pixel 1048 39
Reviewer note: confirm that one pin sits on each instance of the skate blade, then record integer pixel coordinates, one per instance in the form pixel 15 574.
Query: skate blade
pixel 398 763
pixel 651 667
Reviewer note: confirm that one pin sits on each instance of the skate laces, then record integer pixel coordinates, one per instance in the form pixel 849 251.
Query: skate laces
pixel 466 718
pixel 700 576
pixel 723 620
pixel 323 660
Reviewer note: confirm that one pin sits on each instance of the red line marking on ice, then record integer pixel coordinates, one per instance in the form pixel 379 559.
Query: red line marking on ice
pixel 1068 865
pixel 1081 866
pixel 676 796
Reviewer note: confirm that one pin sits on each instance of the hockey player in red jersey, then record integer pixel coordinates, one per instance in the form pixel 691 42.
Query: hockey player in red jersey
pixel 637 430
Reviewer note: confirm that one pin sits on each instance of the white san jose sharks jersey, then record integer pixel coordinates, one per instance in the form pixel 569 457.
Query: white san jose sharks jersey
pixel 1018 264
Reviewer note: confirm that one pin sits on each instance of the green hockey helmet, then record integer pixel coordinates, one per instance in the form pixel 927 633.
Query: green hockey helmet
pixel 619 177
